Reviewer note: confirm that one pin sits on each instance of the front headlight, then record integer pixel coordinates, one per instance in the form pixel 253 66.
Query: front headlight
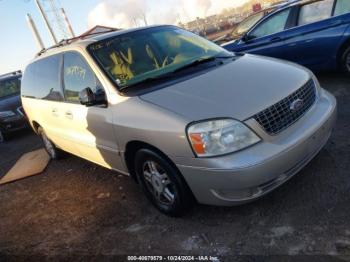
pixel 219 137
pixel 6 114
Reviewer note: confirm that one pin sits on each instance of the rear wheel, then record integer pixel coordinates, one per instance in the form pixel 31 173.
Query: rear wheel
pixel 162 183
pixel 50 147
pixel 345 63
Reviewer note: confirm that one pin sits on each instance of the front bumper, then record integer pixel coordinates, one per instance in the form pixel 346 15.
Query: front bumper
pixel 13 124
pixel 251 173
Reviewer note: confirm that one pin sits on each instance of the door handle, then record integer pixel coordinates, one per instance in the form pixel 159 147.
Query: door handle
pixel 276 39
pixel 54 112
pixel 69 115
pixel 337 22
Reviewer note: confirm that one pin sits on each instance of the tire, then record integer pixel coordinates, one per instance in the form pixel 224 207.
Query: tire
pixel 50 147
pixel 345 61
pixel 162 183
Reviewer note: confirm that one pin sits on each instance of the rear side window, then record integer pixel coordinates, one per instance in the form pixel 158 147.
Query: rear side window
pixel 272 25
pixel 42 79
pixel 342 7
pixel 78 76
pixel 315 12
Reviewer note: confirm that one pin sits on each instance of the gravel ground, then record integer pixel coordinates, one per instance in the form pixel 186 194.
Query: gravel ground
pixel 78 208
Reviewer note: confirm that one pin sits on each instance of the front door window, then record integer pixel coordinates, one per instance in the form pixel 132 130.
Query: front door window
pixel 272 25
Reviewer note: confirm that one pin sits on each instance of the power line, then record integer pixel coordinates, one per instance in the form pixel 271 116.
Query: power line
pixel 55 17
pixel 53 10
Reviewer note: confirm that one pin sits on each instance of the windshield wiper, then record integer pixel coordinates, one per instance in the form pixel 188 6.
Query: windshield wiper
pixel 149 80
pixel 172 73
pixel 200 61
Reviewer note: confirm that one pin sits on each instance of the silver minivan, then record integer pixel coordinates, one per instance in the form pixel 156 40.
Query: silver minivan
pixel 188 120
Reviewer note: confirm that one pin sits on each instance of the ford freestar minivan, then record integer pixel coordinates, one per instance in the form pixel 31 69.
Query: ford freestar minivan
pixel 187 119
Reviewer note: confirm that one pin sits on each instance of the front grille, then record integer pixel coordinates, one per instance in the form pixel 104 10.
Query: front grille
pixel 280 116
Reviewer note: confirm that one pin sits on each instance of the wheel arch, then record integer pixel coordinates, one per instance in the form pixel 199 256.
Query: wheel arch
pixel 130 152
pixel 129 156
pixel 35 126
pixel 341 50
pixel 131 149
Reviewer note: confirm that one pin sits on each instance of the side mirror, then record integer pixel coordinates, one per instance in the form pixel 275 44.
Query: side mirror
pixel 247 38
pixel 88 98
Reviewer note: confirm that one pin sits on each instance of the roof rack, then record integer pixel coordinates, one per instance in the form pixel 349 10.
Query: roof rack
pixel 14 73
pixel 97 30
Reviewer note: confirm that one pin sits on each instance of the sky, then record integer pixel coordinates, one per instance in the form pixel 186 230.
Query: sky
pixel 18 47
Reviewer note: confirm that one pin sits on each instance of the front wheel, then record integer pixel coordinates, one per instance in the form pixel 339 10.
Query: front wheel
pixel 162 183
pixel 50 147
pixel 345 62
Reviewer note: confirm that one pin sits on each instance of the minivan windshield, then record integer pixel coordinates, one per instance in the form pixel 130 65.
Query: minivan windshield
pixel 10 87
pixel 135 57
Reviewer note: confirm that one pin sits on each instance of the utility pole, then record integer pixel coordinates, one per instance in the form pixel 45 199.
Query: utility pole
pixel 135 21
pixel 56 18
pixel 144 18
pixel 68 25
pixel 35 32
pixel 43 14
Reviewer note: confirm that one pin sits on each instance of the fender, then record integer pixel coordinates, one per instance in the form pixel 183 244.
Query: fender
pixel 345 41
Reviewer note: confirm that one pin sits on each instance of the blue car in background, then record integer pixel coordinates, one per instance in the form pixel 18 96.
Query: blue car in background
pixel 314 33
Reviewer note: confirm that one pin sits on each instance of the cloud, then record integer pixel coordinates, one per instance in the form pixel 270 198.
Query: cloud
pixel 121 14
pixel 131 13
pixel 194 8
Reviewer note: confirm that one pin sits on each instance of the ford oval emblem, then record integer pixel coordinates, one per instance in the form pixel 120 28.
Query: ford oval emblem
pixel 296 105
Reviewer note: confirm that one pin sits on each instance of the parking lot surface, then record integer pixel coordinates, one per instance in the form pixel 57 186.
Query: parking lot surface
pixel 78 208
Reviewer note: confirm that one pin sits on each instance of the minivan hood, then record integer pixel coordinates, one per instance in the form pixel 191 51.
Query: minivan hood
pixel 238 90
pixel 10 103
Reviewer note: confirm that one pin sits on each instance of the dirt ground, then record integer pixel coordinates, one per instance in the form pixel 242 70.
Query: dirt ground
pixel 78 208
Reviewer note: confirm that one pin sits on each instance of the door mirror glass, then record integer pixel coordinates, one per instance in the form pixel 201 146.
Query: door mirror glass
pixel 248 37
pixel 88 98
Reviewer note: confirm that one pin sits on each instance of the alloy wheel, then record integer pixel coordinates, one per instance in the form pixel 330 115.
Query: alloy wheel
pixel 158 183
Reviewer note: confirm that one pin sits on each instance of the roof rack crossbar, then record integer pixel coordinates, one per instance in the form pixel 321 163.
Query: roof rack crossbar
pixel 14 73
pixel 68 41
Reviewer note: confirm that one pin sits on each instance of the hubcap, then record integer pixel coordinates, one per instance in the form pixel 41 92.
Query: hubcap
pixel 158 183
pixel 48 145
